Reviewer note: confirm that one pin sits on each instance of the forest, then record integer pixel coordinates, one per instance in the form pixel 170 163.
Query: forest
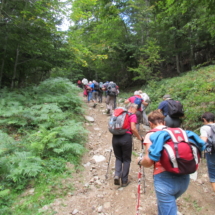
pixel 127 41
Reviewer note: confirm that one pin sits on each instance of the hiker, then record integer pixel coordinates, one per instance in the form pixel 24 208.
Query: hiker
pixel 208 136
pixel 168 186
pixel 100 95
pixel 139 101
pixel 146 99
pixel 89 91
pixel 95 92
pixel 112 92
pixel 164 108
pixel 79 84
pixel 122 147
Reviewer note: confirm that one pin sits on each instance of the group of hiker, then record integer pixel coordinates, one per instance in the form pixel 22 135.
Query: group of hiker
pixel 173 152
pixel 94 91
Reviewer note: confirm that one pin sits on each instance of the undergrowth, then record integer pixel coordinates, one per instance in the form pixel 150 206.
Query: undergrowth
pixel 41 131
pixel 195 90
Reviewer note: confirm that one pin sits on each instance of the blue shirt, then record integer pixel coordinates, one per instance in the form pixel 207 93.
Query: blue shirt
pixel 164 107
pixel 92 86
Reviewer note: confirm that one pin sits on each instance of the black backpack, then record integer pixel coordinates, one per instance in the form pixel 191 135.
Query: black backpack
pixel 175 108
pixel 96 86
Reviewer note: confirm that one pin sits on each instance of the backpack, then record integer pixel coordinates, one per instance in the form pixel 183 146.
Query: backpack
pixel 138 101
pixel 88 88
pixel 145 97
pixel 175 108
pixel 96 86
pixel 119 121
pixel 85 81
pixel 111 89
pixel 210 145
pixel 179 156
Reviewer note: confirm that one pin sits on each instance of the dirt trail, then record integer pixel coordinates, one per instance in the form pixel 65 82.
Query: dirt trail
pixel 94 194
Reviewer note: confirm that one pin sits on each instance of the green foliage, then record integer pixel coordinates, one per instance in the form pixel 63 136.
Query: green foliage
pixel 195 89
pixel 148 62
pixel 41 131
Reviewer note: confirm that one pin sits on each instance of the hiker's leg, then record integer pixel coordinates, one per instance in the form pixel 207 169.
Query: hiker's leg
pixel 96 96
pixel 168 188
pixel 118 154
pixel 211 168
pixel 126 143
pixel 108 104
pixel 114 107
pixel 139 115
pixel 89 96
pixel 112 98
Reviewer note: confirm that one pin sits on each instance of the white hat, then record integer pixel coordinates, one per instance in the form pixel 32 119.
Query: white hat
pixel 136 93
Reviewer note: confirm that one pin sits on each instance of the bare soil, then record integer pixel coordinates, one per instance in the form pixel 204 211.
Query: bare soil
pixel 94 194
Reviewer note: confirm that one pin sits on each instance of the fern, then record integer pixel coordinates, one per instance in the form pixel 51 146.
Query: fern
pixel 24 165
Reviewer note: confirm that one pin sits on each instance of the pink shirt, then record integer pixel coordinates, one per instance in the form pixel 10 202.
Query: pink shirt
pixel 132 118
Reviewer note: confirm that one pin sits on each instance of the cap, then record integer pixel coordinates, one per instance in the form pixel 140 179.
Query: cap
pixel 167 96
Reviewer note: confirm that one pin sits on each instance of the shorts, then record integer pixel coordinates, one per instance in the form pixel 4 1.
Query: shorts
pixel 211 166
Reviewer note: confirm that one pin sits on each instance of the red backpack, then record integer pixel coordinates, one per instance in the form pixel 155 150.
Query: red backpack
pixel 119 121
pixel 179 155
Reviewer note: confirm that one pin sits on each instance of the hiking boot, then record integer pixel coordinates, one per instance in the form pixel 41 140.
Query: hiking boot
pixel 116 180
pixel 94 105
pixel 126 184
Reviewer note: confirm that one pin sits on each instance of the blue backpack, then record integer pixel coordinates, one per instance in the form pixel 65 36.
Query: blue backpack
pixel 138 101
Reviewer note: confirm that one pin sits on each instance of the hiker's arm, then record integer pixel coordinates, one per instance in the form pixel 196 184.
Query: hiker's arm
pixel 126 101
pixel 145 103
pixel 134 130
pixel 145 161
pixel 204 138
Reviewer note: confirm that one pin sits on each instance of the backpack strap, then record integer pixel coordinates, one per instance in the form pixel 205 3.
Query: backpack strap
pixel 212 127
pixel 171 155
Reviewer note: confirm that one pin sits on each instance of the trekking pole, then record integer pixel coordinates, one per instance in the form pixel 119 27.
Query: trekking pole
pixel 144 176
pixel 106 176
pixel 138 187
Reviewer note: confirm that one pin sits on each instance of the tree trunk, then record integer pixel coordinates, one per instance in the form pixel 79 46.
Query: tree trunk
pixel 192 60
pixel 15 69
pixel 177 63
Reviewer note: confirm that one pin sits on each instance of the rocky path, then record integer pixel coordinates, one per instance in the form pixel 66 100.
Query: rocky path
pixel 96 195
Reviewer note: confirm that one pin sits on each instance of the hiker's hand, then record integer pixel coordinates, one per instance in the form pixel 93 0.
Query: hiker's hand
pixel 142 139
pixel 139 161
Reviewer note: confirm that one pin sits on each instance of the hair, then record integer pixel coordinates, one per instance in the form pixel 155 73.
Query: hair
pixel 156 117
pixel 208 116
pixel 132 105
